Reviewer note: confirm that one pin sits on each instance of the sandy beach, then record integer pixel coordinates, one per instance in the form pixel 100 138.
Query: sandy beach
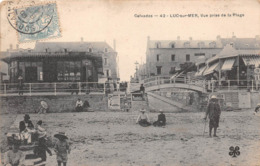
pixel 113 138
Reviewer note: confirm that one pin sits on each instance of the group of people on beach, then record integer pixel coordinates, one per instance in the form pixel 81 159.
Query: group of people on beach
pixel 213 112
pixel 29 135
pixel 143 119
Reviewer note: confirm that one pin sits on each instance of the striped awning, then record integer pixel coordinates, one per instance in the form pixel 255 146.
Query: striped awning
pixel 211 69
pixel 200 72
pixel 228 64
pixel 252 61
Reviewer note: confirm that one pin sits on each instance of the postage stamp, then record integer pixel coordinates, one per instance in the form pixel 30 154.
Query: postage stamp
pixel 35 22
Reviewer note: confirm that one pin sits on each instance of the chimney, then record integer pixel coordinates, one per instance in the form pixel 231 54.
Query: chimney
pixel 11 46
pixel 178 38
pixel 218 37
pixel 257 37
pixel 17 46
pixel 190 38
pixel 114 42
pixel 81 39
pixel 148 38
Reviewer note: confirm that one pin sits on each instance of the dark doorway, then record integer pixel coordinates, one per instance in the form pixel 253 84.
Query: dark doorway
pixel 30 74
pixel 83 74
pixel 49 71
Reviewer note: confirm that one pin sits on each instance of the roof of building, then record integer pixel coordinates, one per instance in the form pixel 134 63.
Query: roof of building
pixel 72 46
pixel 185 44
pixel 61 49
pixel 239 43
pixel 229 51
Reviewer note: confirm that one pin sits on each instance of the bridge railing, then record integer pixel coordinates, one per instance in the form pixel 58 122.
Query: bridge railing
pixel 209 85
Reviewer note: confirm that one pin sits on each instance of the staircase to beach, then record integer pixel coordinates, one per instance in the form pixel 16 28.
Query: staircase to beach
pixel 137 105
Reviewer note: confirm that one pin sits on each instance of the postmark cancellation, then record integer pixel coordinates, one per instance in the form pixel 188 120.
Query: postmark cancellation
pixel 35 22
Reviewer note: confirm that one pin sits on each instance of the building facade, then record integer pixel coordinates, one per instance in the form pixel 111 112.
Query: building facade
pixel 163 57
pixel 63 62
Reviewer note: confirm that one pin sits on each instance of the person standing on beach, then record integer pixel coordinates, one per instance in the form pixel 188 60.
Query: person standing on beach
pixel 62 148
pixel 143 119
pixel 213 111
pixel 142 90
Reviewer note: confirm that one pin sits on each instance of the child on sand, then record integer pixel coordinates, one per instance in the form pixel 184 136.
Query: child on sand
pixel 62 148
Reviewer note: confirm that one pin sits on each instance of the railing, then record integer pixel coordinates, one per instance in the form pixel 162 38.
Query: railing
pixel 164 80
pixel 57 88
pixel 229 85
pixel 208 85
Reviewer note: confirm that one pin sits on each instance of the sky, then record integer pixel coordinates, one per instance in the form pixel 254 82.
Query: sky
pixel 106 20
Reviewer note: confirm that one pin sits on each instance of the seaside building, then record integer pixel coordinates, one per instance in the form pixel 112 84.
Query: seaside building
pixel 165 57
pixel 63 62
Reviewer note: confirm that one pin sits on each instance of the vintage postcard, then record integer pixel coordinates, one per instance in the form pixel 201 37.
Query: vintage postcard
pixel 138 83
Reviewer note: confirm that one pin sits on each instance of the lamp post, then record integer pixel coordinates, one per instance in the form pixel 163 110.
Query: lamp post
pixel 247 73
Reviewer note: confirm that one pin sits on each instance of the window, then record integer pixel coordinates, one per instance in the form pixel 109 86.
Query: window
pixel 105 61
pixel 105 49
pixel 158 57
pixel 107 73
pixel 68 71
pixel 159 70
pixel 187 44
pixel 65 50
pixel 199 54
pixel 46 50
pixel 187 57
pixel 172 71
pixel 90 50
pixel 173 57
pixel 212 44
pixel 213 55
pixel 232 44
pixel 172 45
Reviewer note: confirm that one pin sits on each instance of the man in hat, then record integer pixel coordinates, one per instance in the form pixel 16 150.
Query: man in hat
pixel 62 148
pixel 26 128
pixel 142 90
pixel 161 119
pixel 143 119
pixel 79 105
pixel 213 111
pixel 14 157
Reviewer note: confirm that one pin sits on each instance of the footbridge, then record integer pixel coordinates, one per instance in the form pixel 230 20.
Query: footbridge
pixel 181 82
